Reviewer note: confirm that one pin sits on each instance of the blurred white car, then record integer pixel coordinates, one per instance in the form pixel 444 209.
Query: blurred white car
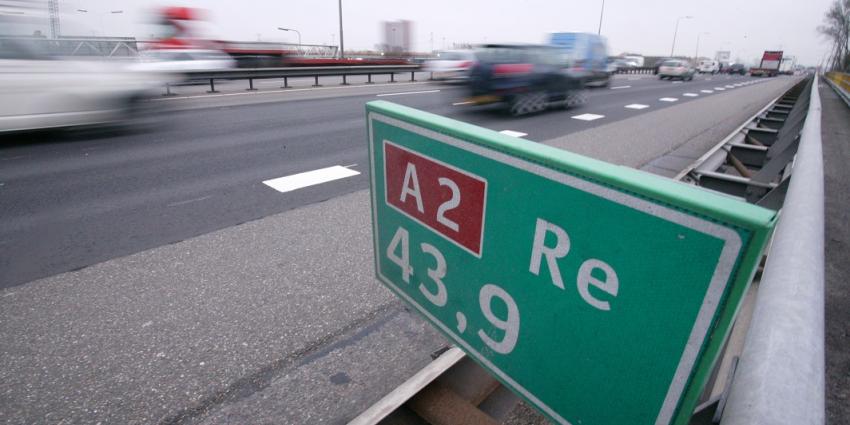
pixel 451 65
pixel 38 92
pixel 676 68
pixel 184 60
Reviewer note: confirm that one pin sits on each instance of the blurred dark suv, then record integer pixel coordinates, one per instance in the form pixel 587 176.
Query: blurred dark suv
pixel 737 68
pixel 525 78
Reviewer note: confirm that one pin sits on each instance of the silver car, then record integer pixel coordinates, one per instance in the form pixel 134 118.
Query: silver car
pixel 39 92
pixel 451 65
pixel 676 68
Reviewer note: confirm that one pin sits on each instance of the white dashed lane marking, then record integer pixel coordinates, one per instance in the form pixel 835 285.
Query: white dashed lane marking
pixel 513 133
pixel 310 178
pixel 587 117
pixel 620 87
pixel 719 88
pixel 668 99
pixel 707 91
pixel 637 106
pixel 690 95
pixel 730 87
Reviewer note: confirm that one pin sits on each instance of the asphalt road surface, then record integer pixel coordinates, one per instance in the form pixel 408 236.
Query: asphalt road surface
pixel 72 200
pixel 153 277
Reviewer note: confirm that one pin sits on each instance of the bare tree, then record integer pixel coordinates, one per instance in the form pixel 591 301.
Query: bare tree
pixel 836 27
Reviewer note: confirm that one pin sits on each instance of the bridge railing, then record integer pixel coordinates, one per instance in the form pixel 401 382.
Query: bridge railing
pixel 299 72
pixel 780 376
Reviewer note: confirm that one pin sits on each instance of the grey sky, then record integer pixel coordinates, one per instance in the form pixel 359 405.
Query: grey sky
pixel 744 27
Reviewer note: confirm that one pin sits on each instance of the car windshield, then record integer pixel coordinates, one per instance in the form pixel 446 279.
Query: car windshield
pixel 671 63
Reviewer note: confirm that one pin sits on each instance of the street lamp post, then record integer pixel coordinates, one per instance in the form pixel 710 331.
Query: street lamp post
pixel 676 31
pixel 696 55
pixel 601 12
pixel 296 32
pixel 341 44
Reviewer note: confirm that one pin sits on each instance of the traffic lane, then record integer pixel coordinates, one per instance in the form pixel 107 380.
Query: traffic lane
pixel 76 206
pixel 666 140
pixel 77 203
pixel 603 106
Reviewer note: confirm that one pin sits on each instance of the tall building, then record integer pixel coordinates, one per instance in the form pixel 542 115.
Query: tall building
pixel 398 36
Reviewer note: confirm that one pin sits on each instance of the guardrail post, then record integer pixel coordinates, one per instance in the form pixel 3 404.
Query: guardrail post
pixel 317 81
pixel 250 85
pixel 392 77
pixel 431 76
pixel 212 86
pixel 412 76
pixel 285 83
pixel 344 81
pixel 370 79
pixel 168 90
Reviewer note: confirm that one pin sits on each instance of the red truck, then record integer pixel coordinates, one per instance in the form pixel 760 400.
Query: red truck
pixel 769 67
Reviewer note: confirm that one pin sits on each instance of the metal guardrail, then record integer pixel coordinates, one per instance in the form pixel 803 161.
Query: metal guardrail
pixel 638 70
pixel 780 378
pixel 840 82
pixel 299 72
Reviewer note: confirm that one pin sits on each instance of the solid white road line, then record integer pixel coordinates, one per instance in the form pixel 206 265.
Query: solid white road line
pixel 668 99
pixel 189 201
pixel 406 92
pixel 707 91
pixel 513 133
pixel 637 106
pixel 587 117
pixel 310 178
pixel 620 87
pixel 690 94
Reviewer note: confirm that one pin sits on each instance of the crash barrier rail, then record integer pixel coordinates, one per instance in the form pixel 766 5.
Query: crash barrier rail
pixel 298 72
pixel 780 379
pixel 840 82
pixel 637 70
pixel 779 376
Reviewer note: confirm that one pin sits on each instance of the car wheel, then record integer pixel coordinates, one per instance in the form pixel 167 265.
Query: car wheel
pixel 527 103
pixel 574 98
pixel 660 77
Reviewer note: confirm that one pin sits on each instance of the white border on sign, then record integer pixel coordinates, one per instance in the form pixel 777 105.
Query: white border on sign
pixel 726 262
pixel 464 172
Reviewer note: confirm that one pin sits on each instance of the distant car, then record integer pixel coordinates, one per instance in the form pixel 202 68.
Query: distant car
pixel 676 68
pixel 525 78
pixel 184 60
pixel 737 68
pixel 39 92
pixel 708 66
pixel 451 65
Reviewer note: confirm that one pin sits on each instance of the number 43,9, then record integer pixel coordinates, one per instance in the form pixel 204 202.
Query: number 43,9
pixel 398 252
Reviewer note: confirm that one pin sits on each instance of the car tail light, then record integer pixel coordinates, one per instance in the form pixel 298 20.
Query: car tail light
pixel 512 68
pixel 465 64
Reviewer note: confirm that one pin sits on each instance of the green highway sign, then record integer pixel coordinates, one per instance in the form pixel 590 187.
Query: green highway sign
pixel 598 293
